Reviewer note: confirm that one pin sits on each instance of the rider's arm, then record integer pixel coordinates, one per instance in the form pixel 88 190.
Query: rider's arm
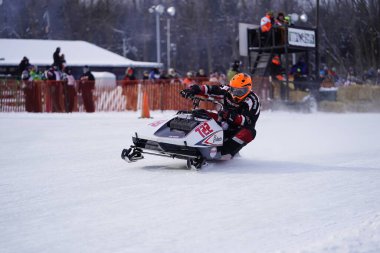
pixel 214 90
pixel 249 113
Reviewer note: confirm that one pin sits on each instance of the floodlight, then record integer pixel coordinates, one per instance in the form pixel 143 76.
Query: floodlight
pixel 160 9
pixel 171 11
pixel 294 17
pixel 303 17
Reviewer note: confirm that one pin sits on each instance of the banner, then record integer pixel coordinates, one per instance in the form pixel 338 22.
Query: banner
pixel 301 37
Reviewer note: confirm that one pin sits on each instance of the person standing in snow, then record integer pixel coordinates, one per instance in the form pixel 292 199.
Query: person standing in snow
pixel 86 87
pixel 69 89
pixel 53 78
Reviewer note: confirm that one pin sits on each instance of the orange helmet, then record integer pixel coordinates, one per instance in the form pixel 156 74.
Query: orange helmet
pixel 240 86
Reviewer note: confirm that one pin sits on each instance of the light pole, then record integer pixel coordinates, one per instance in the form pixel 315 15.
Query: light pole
pixel 171 12
pixel 317 41
pixel 158 9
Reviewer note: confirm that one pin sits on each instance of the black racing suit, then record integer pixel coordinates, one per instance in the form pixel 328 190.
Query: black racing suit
pixel 241 117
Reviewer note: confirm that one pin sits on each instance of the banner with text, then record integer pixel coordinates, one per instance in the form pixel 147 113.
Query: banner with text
pixel 301 37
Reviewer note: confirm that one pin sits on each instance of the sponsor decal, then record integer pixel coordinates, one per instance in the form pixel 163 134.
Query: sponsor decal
pixel 157 123
pixel 214 139
pixel 217 139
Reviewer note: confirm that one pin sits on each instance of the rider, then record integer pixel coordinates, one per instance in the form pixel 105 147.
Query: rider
pixel 241 109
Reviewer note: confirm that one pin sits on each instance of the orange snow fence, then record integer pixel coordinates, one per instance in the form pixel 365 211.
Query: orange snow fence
pixel 144 95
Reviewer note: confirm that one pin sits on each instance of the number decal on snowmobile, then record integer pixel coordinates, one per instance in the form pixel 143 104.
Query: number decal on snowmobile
pixel 204 129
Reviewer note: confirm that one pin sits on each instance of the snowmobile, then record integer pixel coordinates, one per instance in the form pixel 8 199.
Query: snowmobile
pixel 192 135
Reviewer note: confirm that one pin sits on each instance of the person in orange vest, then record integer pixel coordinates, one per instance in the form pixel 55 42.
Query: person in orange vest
pixel 266 24
pixel 189 79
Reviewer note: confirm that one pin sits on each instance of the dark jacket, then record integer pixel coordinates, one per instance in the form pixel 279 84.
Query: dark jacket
pixel 246 112
pixel 86 82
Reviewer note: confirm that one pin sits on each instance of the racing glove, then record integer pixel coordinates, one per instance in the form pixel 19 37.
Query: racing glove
pixel 228 116
pixel 190 92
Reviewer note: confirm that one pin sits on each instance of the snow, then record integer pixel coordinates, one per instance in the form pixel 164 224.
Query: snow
pixel 307 183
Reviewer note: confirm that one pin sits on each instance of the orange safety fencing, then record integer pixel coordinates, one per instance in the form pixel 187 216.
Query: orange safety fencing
pixel 55 96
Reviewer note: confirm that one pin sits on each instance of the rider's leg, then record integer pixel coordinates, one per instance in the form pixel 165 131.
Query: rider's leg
pixel 233 145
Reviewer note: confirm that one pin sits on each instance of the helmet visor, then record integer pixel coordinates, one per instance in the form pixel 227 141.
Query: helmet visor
pixel 239 92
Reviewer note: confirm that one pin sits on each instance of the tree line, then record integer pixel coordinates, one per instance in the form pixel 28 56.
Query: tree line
pixel 204 34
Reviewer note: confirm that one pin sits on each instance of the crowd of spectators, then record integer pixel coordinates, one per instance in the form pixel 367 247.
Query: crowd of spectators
pixel 172 76
pixel 60 80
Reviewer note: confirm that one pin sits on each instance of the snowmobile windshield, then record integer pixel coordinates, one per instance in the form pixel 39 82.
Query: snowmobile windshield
pixel 239 92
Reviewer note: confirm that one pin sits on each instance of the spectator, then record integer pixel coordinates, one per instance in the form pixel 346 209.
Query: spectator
pixel 62 63
pixel 130 89
pixel 201 75
pixel 24 64
pixel 378 77
pixel 35 74
pixel 27 87
pixel 222 79
pixel 276 72
pixel 300 67
pixel 69 89
pixel 266 22
pixel 154 74
pixel 327 80
pixel 52 76
pixel 214 77
pixel 129 74
pixel 57 57
pixel 300 80
pixel 235 69
pixel 333 74
pixel 164 75
pixel 189 79
pixel 351 77
pixel 370 76
pixel 173 75
pixel 145 75
pixel 266 27
pixel 86 87
pixel 280 20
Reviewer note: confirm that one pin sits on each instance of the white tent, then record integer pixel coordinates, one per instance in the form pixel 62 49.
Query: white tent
pixel 77 54
pixel 104 79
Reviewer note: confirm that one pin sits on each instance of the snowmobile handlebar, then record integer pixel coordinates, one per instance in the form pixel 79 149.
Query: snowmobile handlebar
pixel 198 98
